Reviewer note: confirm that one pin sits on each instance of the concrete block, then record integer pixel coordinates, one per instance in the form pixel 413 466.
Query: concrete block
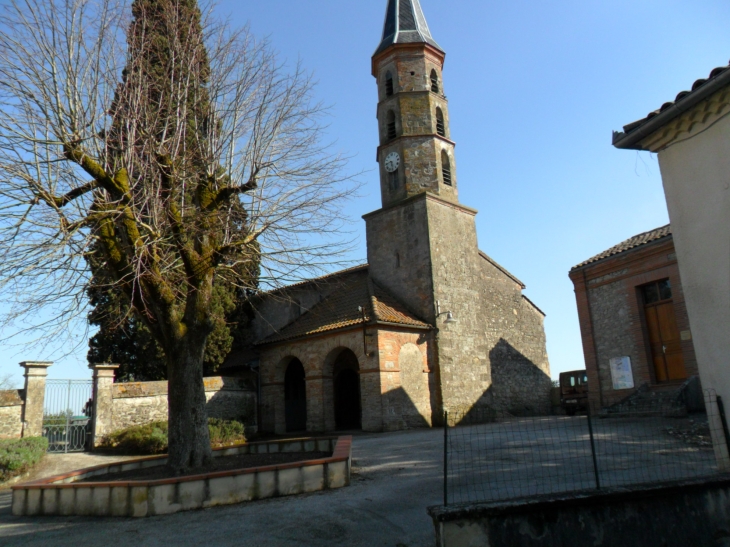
pixel 119 502
pixel 463 534
pixel 229 490
pixel 290 482
pixel 83 503
pixel 49 502
pixel 33 503
pixel 66 501
pixel 162 500
pixel 191 495
pixel 313 478
pixel 337 475
pixel 265 484
pixel 100 500
pixel 131 466
pixel 139 501
pixel 19 497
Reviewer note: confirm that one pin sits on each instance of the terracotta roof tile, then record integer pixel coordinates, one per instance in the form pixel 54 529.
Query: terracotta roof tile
pixel 683 101
pixel 340 308
pixel 629 244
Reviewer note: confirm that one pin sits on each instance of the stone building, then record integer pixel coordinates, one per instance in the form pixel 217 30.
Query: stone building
pixel 430 323
pixel 633 319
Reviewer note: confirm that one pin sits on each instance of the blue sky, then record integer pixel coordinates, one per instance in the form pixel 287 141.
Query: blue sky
pixel 534 89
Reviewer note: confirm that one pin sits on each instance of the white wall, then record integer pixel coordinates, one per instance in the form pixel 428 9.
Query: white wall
pixel 696 177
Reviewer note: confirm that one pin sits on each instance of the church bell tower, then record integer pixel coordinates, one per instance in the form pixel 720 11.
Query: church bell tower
pixel 416 153
pixel 422 243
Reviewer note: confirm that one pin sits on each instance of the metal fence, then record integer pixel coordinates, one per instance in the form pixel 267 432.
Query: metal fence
pixel 66 415
pixel 492 456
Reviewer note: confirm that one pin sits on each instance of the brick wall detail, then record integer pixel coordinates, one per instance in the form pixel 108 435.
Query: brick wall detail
pixel 611 315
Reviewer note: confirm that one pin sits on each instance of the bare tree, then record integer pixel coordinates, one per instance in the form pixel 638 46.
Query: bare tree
pixel 6 382
pixel 171 152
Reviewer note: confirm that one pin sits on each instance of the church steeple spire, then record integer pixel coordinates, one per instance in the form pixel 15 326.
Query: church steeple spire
pixel 405 24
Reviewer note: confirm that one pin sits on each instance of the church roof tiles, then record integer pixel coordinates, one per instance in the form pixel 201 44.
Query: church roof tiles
pixel 631 243
pixel 405 23
pixel 340 309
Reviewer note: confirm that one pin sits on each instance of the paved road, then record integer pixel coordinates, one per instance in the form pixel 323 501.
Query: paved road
pixel 396 476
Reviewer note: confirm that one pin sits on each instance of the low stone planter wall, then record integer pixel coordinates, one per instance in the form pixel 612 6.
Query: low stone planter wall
pixel 64 495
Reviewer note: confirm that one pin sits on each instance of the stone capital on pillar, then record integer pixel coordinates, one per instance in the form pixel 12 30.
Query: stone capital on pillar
pixel 36 368
pixel 103 370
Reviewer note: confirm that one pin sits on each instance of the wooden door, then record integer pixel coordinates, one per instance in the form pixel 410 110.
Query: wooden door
pixel 664 338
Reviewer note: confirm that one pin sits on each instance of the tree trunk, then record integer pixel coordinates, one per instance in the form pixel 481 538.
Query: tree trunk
pixel 188 437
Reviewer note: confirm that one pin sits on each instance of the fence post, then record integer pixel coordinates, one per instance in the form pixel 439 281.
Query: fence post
pixel 446 458
pixel 102 413
pixel 593 449
pixel 35 394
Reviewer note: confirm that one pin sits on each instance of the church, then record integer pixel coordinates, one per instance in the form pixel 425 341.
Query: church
pixel 430 324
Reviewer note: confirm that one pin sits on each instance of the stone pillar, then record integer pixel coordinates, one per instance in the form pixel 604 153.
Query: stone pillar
pixel 102 418
pixel 35 394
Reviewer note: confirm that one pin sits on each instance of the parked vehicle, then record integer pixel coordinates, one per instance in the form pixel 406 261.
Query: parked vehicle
pixel 574 391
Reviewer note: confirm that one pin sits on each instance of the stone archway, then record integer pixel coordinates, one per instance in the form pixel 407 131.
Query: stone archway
pixel 346 384
pixel 295 397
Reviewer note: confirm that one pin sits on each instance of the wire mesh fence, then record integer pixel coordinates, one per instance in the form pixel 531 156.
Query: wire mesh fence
pixel 493 456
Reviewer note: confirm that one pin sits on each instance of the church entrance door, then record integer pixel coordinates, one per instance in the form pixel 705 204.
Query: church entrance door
pixel 295 397
pixel 348 412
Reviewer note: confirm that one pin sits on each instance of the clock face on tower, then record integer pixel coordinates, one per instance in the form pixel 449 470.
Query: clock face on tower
pixel 392 161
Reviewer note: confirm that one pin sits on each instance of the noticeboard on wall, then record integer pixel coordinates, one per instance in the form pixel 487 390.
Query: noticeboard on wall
pixel 621 373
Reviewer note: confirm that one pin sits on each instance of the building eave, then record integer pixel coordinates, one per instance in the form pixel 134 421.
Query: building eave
pixel 631 140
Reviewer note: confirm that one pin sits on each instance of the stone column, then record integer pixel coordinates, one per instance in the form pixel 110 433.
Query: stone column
pixel 102 418
pixel 35 394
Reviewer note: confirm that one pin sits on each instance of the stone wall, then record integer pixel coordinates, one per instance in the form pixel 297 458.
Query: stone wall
pixel 11 413
pixel 143 402
pixel 612 323
pixel 137 403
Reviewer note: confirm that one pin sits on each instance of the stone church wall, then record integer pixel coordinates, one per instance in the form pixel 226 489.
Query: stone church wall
pixel 458 284
pixel 406 226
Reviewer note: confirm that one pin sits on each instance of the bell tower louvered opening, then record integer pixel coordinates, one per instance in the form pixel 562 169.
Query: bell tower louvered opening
pixel 440 125
pixel 390 126
pixel 446 168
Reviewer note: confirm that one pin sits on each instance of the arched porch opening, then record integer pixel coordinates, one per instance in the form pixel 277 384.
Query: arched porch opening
pixel 346 383
pixel 295 397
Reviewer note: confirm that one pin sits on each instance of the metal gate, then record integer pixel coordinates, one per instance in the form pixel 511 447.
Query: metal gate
pixel 67 415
